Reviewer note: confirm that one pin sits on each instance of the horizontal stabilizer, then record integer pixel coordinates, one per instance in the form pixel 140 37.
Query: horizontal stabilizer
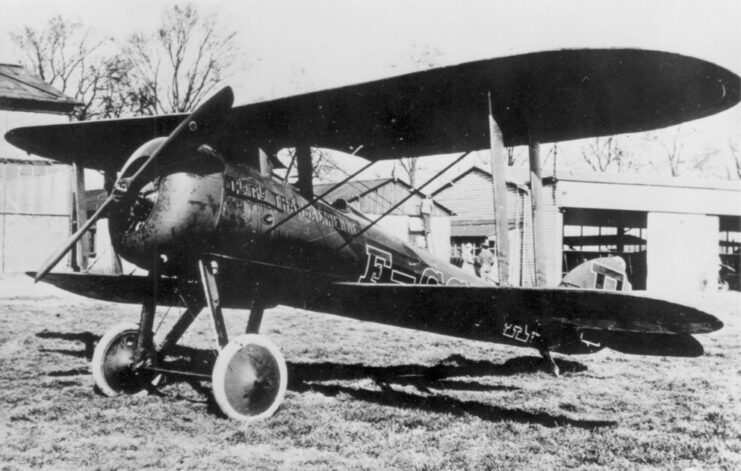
pixel 648 344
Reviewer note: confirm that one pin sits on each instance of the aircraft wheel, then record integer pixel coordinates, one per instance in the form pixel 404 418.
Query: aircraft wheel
pixel 112 361
pixel 250 378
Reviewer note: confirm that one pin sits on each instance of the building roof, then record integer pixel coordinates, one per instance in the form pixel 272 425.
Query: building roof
pixel 487 173
pixel 641 180
pixel 651 195
pixel 21 91
pixel 29 161
pixel 354 190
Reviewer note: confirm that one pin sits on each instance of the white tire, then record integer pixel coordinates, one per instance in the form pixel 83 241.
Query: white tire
pixel 113 356
pixel 250 378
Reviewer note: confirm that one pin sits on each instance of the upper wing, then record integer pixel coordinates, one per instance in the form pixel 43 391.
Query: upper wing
pixel 551 96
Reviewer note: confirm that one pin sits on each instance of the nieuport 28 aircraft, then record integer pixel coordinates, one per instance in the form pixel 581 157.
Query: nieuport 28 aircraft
pixel 196 205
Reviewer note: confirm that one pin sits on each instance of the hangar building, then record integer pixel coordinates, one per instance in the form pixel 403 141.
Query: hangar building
pixel 676 234
pixel 35 193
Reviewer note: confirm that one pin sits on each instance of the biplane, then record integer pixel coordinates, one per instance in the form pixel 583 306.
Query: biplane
pixel 195 204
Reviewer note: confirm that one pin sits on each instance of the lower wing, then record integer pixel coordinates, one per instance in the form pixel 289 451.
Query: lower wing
pixel 564 320
pixel 567 320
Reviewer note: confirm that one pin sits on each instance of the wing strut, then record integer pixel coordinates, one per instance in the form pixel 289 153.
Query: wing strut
pixel 290 167
pixel 402 201
pixel 305 184
pixel 82 252
pixel 537 202
pixel 499 185
pixel 313 200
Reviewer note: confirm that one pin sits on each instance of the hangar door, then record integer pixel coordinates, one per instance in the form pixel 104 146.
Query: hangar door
pixel 682 252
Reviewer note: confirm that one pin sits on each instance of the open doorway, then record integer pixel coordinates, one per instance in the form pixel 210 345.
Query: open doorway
pixel 730 253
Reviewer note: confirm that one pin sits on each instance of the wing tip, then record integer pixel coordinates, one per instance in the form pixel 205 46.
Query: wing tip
pixel 714 324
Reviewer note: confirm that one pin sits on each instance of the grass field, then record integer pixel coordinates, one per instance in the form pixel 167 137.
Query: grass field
pixel 364 396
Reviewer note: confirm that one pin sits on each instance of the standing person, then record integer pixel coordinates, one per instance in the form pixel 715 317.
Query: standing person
pixel 487 260
pixel 468 259
pixel 425 210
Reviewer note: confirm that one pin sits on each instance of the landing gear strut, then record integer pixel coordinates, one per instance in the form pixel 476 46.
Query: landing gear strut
pixel 125 359
pixel 548 362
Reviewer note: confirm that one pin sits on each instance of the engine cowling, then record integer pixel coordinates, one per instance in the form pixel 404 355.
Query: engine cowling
pixel 173 215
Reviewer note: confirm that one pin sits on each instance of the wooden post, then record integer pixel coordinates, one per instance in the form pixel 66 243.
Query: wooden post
pixel 114 262
pixel 83 245
pixel 266 166
pixel 3 209
pixel 537 201
pixel 305 185
pixel 499 184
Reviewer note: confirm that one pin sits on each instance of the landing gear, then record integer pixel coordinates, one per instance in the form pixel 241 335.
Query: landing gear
pixel 548 362
pixel 113 363
pixel 249 378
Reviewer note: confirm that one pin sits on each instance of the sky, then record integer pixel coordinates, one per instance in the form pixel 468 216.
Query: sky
pixel 336 42
pixel 296 46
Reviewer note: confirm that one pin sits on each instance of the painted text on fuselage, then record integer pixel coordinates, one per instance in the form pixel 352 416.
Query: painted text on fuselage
pixel 379 268
pixel 253 191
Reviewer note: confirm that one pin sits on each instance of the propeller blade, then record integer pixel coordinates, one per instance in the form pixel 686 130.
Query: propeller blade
pixel 205 120
pixel 52 261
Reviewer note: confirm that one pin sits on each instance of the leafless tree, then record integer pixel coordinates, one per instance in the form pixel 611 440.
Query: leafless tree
pixel 601 154
pixel 323 166
pixel 65 54
pixel 671 144
pixel 183 61
pixel 673 147
pixel 410 165
pixel 736 158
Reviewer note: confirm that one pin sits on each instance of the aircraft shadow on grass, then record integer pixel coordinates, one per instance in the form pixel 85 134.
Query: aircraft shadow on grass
pixel 310 376
pixel 88 339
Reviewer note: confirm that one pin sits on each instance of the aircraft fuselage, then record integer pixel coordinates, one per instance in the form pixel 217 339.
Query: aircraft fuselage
pixel 243 219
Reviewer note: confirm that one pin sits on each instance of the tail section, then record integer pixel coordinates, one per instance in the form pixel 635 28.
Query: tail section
pixel 607 273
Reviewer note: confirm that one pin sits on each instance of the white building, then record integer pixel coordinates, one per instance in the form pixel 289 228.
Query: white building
pixel 35 196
